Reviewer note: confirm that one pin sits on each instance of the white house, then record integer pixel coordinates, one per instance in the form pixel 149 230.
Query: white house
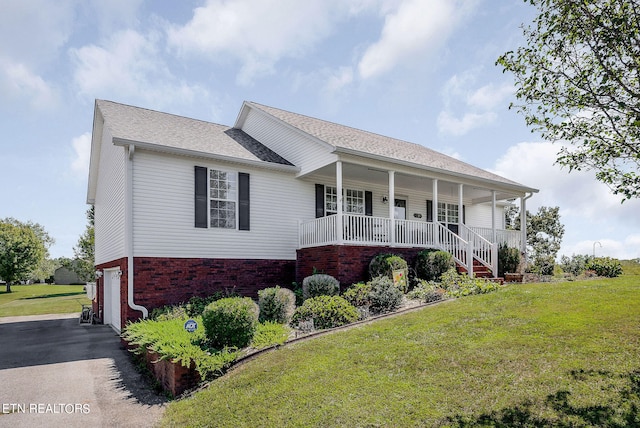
pixel 185 207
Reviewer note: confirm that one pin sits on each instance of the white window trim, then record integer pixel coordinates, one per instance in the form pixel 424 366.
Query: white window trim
pixel 344 201
pixel 209 199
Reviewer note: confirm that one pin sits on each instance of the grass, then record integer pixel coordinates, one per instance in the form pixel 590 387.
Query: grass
pixel 38 299
pixel 562 354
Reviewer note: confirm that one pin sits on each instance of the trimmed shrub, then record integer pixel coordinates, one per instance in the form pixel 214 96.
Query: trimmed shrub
pixel 276 304
pixel 195 306
pixel 431 264
pixel 384 295
pixel 269 334
pixel 325 312
pixel 605 266
pixel 385 264
pixel 320 284
pixel 427 291
pixel 358 294
pixel 230 322
pixel 508 259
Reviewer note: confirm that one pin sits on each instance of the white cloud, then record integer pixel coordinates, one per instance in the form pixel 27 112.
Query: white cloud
pixel 18 82
pixel 257 33
pixel 82 151
pixel 490 96
pixel 414 28
pixel 128 65
pixel 451 125
pixel 477 105
pixel 338 80
pixel 588 209
pixel 625 249
pixel 32 32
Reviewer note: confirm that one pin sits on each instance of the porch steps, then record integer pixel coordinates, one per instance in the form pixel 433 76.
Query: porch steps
pixel 480 271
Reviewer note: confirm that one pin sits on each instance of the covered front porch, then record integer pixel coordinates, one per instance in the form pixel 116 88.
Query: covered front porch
pixel 365 205
pixel 465 246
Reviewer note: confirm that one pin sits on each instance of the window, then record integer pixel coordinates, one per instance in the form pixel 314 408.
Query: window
pixel 448 213
pixel 222 199
pixel 223 195
pixel 354 201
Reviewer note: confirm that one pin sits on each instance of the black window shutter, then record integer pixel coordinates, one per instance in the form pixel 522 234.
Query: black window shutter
pixel 464 215
pixel 319 200
pixel 429 210
pixel 243 199
pixel 201 196
pixel 368 203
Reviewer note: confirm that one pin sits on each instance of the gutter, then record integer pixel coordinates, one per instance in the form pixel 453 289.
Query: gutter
pixel 445 174
pixel 197 154
pixel 129 232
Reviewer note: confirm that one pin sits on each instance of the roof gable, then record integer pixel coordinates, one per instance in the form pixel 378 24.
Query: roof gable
pixel 356 141
pixel 177 133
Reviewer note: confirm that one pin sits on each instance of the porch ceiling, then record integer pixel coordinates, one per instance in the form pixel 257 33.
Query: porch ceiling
pixel 377 176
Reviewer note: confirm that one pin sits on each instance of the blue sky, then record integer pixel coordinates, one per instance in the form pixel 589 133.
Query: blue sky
pixel 418 70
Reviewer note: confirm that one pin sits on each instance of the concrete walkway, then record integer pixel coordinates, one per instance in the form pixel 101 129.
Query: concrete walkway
pixel 55 372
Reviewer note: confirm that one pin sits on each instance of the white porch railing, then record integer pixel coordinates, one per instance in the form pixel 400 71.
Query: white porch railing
pixel 368 230
pixel 483 250
pixel 513 238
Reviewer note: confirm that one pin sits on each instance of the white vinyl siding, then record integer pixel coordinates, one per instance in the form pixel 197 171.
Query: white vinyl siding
pixel 296 147
pixel 416 200
pixel 164 210
pixel 109 202
pixel 480 216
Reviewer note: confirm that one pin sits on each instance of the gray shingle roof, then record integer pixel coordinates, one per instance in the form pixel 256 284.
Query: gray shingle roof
pixel 345 137
pixel 177 132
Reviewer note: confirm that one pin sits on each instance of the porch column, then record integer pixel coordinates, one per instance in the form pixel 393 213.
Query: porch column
pixel 460 204
pixel 392 205
pixel 434 208
pixel 493 216
pixel 523 225
pixel 339 231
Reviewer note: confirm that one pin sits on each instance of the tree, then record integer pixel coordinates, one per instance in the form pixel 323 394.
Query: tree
pixel 22 248
pixel 84 251
pixel 578 80
pixel 544 237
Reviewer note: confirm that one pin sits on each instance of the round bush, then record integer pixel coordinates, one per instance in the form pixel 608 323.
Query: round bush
pixel 276 304
pixel 385 264
pixel 230 322
pixel 320 285
pixel 384 295
pixel 358 294
pixel 326 312
pixel 431 264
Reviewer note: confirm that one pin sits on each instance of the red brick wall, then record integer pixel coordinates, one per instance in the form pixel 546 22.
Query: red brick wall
pixel 166 281
pixel 349 264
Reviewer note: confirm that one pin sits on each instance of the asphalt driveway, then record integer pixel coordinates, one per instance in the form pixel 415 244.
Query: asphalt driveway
pixel 55 372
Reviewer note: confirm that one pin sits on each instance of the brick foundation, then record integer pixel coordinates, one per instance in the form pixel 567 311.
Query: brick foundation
pixel 161 281
pixel 349 264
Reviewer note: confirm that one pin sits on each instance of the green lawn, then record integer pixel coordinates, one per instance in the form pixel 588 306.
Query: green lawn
pixel 559 354
pixel 40 299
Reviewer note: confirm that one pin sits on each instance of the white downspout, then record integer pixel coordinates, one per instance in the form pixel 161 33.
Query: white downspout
pixel 129 234
pixel 523 222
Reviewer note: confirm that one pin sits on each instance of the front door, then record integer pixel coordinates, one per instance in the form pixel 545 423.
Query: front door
pixel 400 209
pixel 112 298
